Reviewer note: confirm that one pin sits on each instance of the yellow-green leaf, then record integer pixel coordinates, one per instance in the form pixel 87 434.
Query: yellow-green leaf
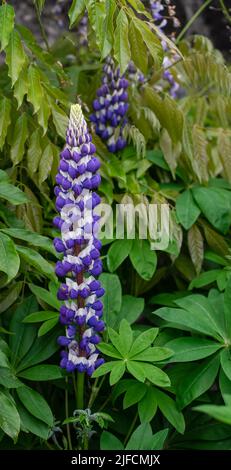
pixel 21 87
pixel 19 138
pixel 35 91
pixel 151 40
pixel 122 46
pixel 15 56
pixel 5 108
pixel 45 163
pixel 6 24
pixel 138 50
pixel 34 152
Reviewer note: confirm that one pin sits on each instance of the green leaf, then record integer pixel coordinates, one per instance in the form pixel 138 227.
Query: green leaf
pixel 134 394
pixel 47 326
pixel 46 296
pixel 40 316
pixel 5 120
pixel 156 375
pixel 15 56
pixel 143 259
pixel 110 442
pixel 186 209
pixel 34 259
pixel 227 309
pixel 221 413
pixel 24 335
pixel 109 350
pixel 108 29
pixel 41 373
pixel 207 199
pixel 147 407
pixel 34 152
pixel 204 279
pixel 10 296
pixel 35 91
pixel 226 362
pixel 9 260
pixel 60 119
pixel 152 42
pixel 44 114
pixel 31 237
pixel 131 309
pixel 225 385
pixel 138 50
pixel 159 439
pixel 6 24
pixel 12 194
pixel 35 404
pixel 76 10
pixel 143 341
pixel 21 87
pixel 199 306
pixel 198 381
pixel 42 349
pixel 45 163
pixel 117 253
pixel 136 369
pixel 122 50
pixel 141 438
pixel 169 409
pixel 153 354
pixel 198 320
pixel 8 379
pixel 117 372
pixel 105 368
pixel 9 417
pixel 112 298
pixel 126 337
pixel 32 424
pixel 191 349
pixel 19 138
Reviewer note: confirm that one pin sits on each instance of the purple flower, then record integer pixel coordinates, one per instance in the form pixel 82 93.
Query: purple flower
pixel 110 107
pixel 81 311
pixel 158 13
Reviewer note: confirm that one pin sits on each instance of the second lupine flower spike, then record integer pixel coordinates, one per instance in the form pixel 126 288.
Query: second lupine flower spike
pixel 82 310
pixel 111 106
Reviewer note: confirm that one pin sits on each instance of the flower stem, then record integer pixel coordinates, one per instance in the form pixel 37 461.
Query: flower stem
pixel 67 415
pixel 191 21
pixel 80 390
pixel 131 429
pixel 43 33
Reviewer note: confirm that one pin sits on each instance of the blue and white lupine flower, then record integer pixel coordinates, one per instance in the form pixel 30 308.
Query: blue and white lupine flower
pixel 76 199
pixel 110 107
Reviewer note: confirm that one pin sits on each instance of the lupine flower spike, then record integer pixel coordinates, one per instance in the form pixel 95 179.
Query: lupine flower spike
pixel 157 11
pixel 110 107
pixel 76 199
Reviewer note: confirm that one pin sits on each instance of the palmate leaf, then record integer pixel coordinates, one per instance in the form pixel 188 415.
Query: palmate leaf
pixel 35 404
pixel 188 349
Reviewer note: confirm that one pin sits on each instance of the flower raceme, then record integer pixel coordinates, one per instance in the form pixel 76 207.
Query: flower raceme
pixel 110 107
pixel 76 199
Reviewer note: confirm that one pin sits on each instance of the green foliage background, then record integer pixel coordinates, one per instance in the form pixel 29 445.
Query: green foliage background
pixel 168 313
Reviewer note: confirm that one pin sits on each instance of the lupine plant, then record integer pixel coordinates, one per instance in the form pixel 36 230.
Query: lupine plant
pixel 109 342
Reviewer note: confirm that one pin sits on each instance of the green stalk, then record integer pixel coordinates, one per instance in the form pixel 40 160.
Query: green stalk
pixel 67 415
pixel 80 390
pixel 225 10
pixel 191 21
pixel 42 30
